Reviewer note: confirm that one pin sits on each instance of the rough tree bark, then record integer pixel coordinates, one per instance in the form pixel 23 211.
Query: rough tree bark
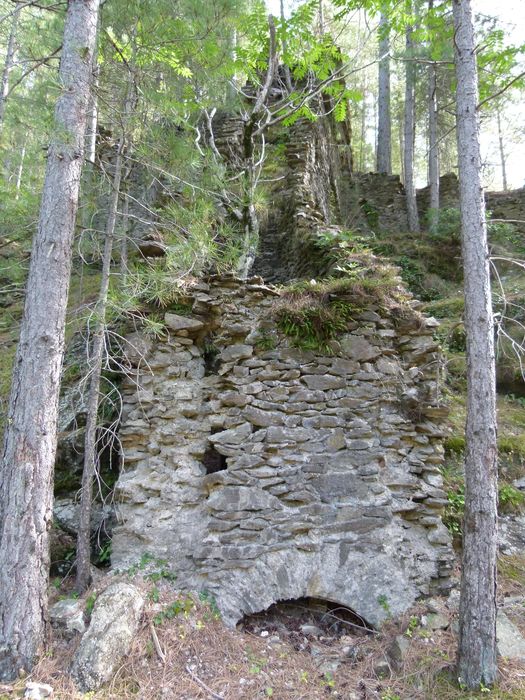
pixel 433 149
pixel 410 133
pixel 477 634
pixel 26 474
pixel 384 120
pixel 9 59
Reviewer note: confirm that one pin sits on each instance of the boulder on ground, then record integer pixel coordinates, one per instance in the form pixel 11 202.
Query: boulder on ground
pixel 511 643
pixel 114 623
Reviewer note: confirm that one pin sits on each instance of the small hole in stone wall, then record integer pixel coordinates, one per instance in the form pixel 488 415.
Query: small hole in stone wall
pixel 210 355
pixel 213 461
pixel 304 620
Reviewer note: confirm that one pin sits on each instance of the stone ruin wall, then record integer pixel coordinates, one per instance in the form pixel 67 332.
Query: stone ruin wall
pixel 273 474
pixel 327 481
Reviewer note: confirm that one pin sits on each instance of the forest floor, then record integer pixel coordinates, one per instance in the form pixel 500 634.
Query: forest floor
pixel 183 651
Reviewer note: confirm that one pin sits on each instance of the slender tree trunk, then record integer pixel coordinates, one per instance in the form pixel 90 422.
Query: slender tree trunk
pixel 433 149
pixel 477 634
pixel 384 120
pixel 251 130
pixel 20 169
pixel 401 136
pixel 363 129
pixel 231 90
pixel 26 476
pixel 95 364
pixel 321 18
pixel 502 155
pixel 287 74
pixel 124 241
pixel 9 59
pixel 410 133
pixel 92 125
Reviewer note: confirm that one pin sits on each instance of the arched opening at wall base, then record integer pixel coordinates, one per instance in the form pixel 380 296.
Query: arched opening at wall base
pixel 303 620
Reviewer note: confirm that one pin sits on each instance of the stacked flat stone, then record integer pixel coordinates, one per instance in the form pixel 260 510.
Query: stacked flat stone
pixel 332 486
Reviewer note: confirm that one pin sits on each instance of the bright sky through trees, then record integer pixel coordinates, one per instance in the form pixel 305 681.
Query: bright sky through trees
pixel 511 15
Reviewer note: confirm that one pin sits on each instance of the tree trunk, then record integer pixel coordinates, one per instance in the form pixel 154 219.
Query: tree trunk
pixel 95 365
pixel 92 125
pixel 384 120
pixel 363 129
pixel 287 74
pixel 502 155
pixel 433 149
pixel 477 634
pixel 83 560
pixel 9 59
pixel 26 476
pixel 253 128
pixel 20 169
pixel 410 133
pixel 124 268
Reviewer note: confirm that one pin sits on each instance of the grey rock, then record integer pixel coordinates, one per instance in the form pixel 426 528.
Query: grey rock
pixel 318 382
pixel 437 621
pixel 234 436
pixel 519 483
pixel 114 624
pixel 137 348
pixel 358 348
pixel 398 650
pixel 277 434
pixel 262 419
pixel 182 323
pixel 337 440
pixel 66 512
pixel 382 669
pixel 511 643
pixel 241 498
pixel 233 398
pixel 236 352
pixel 37 691
pixel 511 534
pixel 68 616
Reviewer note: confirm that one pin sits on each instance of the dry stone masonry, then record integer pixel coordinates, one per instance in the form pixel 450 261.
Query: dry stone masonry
pixel 262 472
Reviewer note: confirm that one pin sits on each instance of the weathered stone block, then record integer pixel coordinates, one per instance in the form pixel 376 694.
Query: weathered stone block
pixel 323 382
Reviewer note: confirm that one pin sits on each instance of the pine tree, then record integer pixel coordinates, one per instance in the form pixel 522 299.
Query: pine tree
pixel 26 475
pixel 477 634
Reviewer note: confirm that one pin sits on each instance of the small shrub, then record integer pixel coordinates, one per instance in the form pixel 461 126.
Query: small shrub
pixel 314 313
pixel 448 225
pixel 510 499
pixel 512 444
pixel 455 444
pixel 182 605
pixel 454 511
pixel 266 340
pixel 90 603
